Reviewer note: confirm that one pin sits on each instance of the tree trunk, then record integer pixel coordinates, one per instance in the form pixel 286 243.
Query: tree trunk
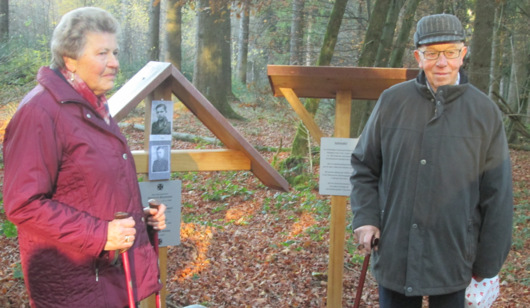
pixel 481 44
pixel 4 21
pixel 402 41
pixel 367 58
pixel 126 48
pixel 297 33
pixel 300 141
pixel 211 73
pixel 242 54
pixel 309 21
pixel 385 44
pixel 519 83
pixel 174 33
pixel 497 52
pixel 154 30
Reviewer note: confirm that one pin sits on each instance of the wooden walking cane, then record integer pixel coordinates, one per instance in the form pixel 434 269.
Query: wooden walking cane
pixel 126 266
pixel 155 204
pixel 366 262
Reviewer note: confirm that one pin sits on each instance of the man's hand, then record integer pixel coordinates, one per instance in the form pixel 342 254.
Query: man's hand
pixel 365 236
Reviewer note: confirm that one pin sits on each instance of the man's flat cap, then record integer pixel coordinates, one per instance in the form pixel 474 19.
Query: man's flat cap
pixel 439 28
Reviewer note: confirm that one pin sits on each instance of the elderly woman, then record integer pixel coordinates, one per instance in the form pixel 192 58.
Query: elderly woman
pixel 68 170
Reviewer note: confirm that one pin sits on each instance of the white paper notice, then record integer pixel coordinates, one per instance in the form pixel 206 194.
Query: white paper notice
pixel 335 166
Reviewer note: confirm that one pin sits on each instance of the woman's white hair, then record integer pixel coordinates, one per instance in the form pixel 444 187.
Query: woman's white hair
pixel 69 37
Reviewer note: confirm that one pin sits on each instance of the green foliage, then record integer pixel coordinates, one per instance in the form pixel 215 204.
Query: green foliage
pixel 217 189
pixel 7 228
pixel 521 231
pixel 311 203
pixel 317 233
pixel 19 65
pixel 17 271
pixel 294 170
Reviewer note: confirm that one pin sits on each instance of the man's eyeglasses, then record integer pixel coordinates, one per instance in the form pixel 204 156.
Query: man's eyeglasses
pixel 433 55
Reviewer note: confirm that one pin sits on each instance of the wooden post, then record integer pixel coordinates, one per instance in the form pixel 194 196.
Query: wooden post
pixel 338 210
pixel 163 92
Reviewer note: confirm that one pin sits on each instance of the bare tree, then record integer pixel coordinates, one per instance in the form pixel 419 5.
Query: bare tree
pixel 300 141
pixel 481 44
pixel 154 30
pixel 396 58
pixel 212 73
pixel 367 59
pixel 385 44
pixel 242 42
pixel 297 33
pixel 174 32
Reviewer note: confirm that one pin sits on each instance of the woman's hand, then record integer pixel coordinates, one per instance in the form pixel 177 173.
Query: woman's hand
pixel 156 217
pixel 120 234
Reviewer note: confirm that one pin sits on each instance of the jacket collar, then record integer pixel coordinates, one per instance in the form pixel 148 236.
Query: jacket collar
pixel 446 94
pixel 62 92
pixel 58 87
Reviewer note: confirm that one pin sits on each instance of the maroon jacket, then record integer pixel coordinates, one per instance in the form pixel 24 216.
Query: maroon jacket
pixel 66 173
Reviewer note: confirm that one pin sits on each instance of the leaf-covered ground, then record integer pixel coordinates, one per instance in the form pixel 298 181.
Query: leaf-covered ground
pixel 244 245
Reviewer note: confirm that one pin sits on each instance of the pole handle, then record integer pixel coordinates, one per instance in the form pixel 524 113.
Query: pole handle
pixel 154 204
pixel 121 215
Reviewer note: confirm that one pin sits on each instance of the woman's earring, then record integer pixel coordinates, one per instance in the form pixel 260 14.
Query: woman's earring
pixel 72 76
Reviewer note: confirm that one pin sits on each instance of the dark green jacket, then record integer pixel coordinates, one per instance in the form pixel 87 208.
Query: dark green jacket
pixel 433 174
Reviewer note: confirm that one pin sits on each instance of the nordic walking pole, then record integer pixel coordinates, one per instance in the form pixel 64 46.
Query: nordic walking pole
pixel 366 262
pixel 155 204
pixel 126 266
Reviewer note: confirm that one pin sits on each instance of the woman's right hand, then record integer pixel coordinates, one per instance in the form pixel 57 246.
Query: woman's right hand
pixel 120 234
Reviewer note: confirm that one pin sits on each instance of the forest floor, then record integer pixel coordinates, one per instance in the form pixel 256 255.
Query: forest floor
pixel 244 245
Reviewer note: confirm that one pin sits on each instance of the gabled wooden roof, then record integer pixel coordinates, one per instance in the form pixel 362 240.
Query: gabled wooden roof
pixel 156 74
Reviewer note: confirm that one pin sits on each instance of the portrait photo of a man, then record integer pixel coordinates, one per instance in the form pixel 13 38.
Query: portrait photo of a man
pixel 162 125
pixel 161 162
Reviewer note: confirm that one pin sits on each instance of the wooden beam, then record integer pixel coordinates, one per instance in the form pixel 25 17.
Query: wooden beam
pixel 197 160
pixel 302 112
pixel 137 88
pixel 326 81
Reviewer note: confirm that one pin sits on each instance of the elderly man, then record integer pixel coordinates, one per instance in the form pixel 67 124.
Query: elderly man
pixel 432 178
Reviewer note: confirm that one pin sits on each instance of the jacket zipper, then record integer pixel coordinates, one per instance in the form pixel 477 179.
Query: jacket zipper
pixel 96 270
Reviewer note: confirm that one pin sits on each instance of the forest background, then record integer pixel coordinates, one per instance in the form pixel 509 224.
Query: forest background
pixel 224 48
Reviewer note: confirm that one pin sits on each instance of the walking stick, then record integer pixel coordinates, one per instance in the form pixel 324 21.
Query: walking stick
pixel 366 262
pixel 126 266
pixel 155 204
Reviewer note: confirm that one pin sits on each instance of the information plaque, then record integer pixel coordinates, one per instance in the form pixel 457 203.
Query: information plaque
pixel 168 193
pixel 335 166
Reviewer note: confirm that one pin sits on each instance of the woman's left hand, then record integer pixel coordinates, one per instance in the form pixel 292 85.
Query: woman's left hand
pixel 156 218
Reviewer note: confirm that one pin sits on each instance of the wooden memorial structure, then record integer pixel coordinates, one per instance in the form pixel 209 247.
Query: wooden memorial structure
pixel 342 84
pixel 158 81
